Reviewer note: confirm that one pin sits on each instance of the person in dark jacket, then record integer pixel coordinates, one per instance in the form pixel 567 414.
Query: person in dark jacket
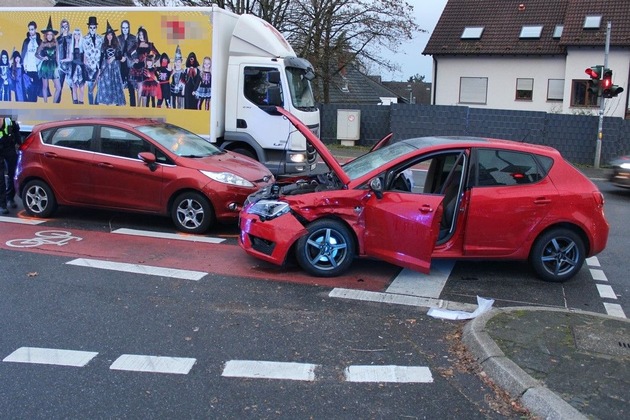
pixel 9 139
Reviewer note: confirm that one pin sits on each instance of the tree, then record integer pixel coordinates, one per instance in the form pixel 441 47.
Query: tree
pixel 331 34
pixel 416 78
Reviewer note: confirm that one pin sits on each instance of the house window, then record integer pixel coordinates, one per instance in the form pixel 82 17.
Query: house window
pixel 592 22
pixel 472 32
pixel 557 32
pixel 473 90
pixel 531 32
pixel 580 96
pixel 524 89
pixel 555 89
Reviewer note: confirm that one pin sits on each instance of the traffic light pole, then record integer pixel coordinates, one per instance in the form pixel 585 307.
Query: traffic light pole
pixel 602 103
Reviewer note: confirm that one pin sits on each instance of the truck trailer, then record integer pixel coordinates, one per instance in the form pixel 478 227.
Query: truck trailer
pixel 213 72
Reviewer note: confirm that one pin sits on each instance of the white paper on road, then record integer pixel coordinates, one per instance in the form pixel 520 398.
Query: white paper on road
pixel 483 305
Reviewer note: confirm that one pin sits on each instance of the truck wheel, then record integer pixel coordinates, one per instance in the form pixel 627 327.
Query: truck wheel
pixel 327 250
pixel 38 199
pixel 557 255
pixel 245 152
pixel 192 213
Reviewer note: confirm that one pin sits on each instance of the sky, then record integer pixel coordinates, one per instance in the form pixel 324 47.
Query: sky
pixel 410 58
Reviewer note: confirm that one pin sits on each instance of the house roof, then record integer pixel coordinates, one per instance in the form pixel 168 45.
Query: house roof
pixel 355 87
pixel 503 20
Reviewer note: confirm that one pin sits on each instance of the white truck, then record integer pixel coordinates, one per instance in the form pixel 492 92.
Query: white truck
pixel 206 69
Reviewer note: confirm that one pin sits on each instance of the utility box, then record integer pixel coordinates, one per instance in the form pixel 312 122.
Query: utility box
pixel 348 126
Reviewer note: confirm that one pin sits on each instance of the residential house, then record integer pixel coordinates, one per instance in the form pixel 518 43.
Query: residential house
pixel 529 54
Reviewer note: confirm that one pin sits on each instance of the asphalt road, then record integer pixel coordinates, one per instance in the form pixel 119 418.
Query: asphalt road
pixel 49 307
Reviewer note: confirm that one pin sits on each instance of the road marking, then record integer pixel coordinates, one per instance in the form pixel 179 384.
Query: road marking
pixel 153 364
pixel 139 269
pixel 21 221
pixel 269 370
pixel 614 309
pixel 45 356
pixel 413 283
pixel 598 274
pixel 399 374
pixel 606 291
pixel 164 235
pixel 593 262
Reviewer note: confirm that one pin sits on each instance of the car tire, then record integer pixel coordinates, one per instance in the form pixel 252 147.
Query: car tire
pixel 192 212
pixel 38 199
pixel 327 250
pixel 557 255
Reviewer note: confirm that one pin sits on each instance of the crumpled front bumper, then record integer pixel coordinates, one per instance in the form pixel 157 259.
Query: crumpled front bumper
pixel 269 240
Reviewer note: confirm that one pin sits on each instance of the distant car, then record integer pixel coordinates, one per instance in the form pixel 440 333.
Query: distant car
pixel 621 171
pixel 137 165
pixel 473 198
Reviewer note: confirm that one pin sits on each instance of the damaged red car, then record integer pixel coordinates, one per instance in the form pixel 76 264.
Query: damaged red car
pixel 433 197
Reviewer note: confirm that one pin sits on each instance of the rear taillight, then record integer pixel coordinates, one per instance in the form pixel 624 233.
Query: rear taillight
pixel 599 198
pixel 27 142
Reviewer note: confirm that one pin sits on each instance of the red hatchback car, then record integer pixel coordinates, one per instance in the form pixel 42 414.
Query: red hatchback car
pixel 134 165
pixel 432 197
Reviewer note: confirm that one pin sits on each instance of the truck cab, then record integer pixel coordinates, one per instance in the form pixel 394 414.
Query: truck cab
pixel 265 72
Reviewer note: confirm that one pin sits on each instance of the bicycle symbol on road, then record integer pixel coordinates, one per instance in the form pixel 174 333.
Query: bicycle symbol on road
pixel 45 237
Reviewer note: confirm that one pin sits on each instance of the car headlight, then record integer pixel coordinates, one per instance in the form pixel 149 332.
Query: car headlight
pixel 625 165
pixel 269 209
pixel 228 178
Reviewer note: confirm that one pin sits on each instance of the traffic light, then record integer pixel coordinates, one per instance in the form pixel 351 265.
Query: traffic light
pixel 608 89
pixel 595 73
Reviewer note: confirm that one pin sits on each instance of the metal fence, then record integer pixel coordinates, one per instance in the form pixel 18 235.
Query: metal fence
pixel 573 135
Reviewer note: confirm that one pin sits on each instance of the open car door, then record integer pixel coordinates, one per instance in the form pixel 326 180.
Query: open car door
pixel 402 228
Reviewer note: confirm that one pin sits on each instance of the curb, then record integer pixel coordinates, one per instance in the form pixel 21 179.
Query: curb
pixel 537 398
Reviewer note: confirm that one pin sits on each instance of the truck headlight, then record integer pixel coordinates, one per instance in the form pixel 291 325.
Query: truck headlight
pixel 269 209
pixel 228 178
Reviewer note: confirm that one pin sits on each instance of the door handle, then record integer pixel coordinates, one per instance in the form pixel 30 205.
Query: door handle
pixel 104 165
pixel 426 208
pixel 542 200
pixel 50 155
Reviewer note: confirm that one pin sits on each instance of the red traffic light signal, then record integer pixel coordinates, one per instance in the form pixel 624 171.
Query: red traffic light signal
pixel 607 79
pixel 595 72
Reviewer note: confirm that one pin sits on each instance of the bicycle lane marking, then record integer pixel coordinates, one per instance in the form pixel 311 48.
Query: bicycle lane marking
pixel 219 259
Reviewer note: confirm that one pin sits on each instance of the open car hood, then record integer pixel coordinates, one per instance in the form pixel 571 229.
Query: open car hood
pixel 321 148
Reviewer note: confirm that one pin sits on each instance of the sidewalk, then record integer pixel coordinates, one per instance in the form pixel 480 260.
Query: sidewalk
pixel 560 364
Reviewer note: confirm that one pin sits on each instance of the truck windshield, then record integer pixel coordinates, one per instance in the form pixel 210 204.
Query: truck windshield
pixel 179 141
pixel 300 89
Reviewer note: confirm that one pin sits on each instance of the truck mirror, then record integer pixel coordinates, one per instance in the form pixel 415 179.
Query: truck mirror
pixel 274 96
pixel 273 77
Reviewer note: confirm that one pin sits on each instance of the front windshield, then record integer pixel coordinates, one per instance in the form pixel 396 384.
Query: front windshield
pixel 300 88
pixel 179 141
pixel 373 160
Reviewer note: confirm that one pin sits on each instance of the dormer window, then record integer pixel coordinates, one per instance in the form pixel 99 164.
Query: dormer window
pixel 531 32
pixel 472 32
pixel 592 22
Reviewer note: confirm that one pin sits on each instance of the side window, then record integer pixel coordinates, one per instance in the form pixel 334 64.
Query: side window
pixel 257 82
pixel 75 137
pixel 121 143
pixel 501 167
pixel 429 175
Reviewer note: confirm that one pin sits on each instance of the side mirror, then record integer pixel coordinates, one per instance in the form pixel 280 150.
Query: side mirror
pixel 376 185
pixel 149 159
pixel 274 96
pixel 273 77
